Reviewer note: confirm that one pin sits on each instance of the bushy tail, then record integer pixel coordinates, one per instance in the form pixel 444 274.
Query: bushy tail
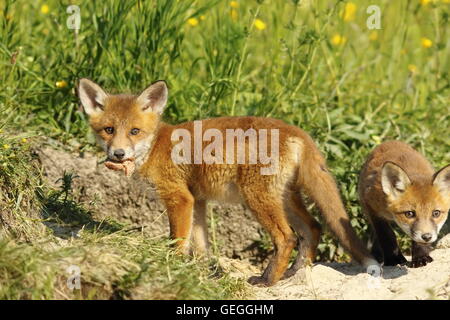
pixel 319 185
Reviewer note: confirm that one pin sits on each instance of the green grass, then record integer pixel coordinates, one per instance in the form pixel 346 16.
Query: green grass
pixel 114 266
pixel 374 86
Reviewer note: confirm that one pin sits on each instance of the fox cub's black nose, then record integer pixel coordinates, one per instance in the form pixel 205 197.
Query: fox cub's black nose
pixel 119 153
pixel 427 236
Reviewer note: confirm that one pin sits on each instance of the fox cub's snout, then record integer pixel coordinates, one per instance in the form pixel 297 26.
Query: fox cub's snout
pixel 420 209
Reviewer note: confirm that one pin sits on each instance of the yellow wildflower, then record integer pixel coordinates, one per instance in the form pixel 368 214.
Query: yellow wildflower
pixel 6 146
pixel 424 2
pixel 338 39
pixel 426 43
pixel 24 140
pixel 45 9
pixel 412 68
pixel 259 24
pixel 349 11
pixel 193 22
pixel 202 17
pixel 234 14
pixel 234 4
pixel 376 139
pixel 373 36
pixel 61 84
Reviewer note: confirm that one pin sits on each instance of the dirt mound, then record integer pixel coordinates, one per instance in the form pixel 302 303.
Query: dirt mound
pixel 348 281
pixel 131 200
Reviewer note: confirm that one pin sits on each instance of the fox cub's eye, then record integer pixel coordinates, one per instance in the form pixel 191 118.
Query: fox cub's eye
pixel 134 131
pixel 109 130
pixel 409 214
pixel 436 213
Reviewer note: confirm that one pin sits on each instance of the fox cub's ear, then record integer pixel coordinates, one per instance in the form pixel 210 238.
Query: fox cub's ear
pixel 92 96
pixel 394 180
pixel 154 98
pixel 441 179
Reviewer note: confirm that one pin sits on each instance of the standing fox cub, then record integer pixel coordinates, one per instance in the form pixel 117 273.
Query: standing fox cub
pixel 129 129
pixel 398 184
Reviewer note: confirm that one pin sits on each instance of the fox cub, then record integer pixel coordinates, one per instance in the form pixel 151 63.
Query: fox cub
pixel 130 130
pixel 397 184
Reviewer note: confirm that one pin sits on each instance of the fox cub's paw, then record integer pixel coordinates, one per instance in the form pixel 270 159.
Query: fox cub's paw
pixel 259 281
pixel 395 260
pixel 420 262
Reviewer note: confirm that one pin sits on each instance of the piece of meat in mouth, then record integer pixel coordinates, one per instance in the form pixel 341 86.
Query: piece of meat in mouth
pixel 127 166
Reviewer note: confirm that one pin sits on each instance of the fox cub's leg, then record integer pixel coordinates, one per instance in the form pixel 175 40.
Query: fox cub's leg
pixel 179 203
pixel 420 255
pixel 268 210
pixel 308 231
pixel 385 238
pixel 200 228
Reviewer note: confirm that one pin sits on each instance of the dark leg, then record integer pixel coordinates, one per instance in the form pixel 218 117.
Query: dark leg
pixel 387 242
pixel 376 250
pixel 308 231
pixel 420 255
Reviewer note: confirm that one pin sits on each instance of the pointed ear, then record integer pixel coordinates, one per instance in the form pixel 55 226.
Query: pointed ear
pixel 441 179
pixel 394 180
pixel 92 97
pixel 154 98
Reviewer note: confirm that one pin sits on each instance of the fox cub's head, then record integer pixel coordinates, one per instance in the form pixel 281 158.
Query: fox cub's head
pixel 420 204
pixel 124 124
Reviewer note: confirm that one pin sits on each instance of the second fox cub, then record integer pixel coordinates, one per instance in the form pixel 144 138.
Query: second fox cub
pixel 397 184
pixel 132 134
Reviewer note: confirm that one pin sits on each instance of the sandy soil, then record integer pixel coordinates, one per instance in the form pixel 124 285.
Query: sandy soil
pixel 349 282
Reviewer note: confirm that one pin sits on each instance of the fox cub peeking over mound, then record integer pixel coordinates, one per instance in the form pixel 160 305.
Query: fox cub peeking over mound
pixel 397 184
pixel 134 138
